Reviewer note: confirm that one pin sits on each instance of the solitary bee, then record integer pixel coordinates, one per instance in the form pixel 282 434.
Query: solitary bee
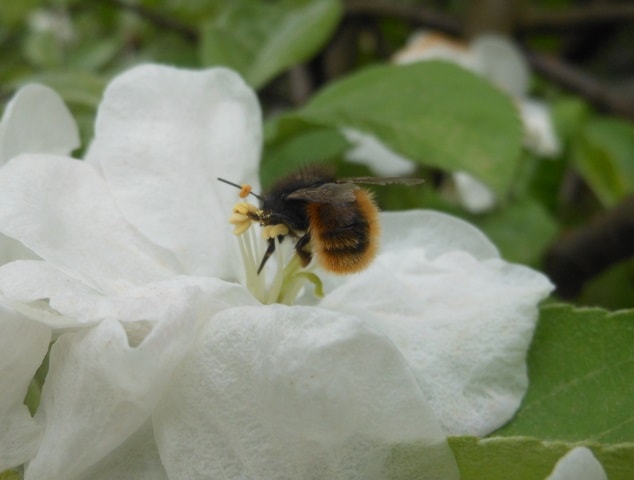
pixel 332 218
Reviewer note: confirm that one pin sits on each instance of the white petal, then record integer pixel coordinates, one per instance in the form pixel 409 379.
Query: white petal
pixel 62 210
pixel 475 196
pixel 23 344
pixel 11 249
pixel 163 136
pixel 502 62
pixel 293 392
pixel 37 121
pixel 463 323
pixel 369 151
pixel 136 459
pixel 578 464
pixel 100 389
pixel 539 132
pixel 34 287
pixel 437 232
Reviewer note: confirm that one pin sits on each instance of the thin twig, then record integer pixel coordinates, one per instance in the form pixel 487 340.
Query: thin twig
pixel 578 17
pixel 529 18
pixel 412 13
pixel 595 92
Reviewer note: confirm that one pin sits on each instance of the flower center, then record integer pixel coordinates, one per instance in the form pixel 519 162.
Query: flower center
pixel 287 281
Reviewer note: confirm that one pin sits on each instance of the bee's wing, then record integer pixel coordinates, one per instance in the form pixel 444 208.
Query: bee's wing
pixel 326 193
pixel 382 180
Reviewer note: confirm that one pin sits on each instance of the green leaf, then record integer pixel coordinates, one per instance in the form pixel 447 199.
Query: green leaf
pixel 612 289
pixel 14 14
pixel 10 475
pixel 75 87
pixel 569 115
pixel 525 458
pixel 581 370
pixel 605 158
pixel 522 231
pixel 295 144
pixel 261 39
pixel 432 112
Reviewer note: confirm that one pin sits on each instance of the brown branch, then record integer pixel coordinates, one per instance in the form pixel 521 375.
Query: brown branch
pixel 577 17
pixel 159 20
pixel 584 253
pixel 529 18
pixel 410 13
pixel 595 92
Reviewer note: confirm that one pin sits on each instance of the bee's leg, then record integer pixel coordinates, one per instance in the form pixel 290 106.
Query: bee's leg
pixel 304 253
pixel 269 251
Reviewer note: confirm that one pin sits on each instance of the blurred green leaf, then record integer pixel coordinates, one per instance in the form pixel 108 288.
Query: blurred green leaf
pixel 43 50
pixel 260 40
pixel 569 115
pixel 522 230
pixel 94 55
pixel 525 458
pixel 433 112
pixel 10 475
pixel 605 158
pixel 307 144
pixel 581 369
pixel 613 289
pixel 13 13
pixel 78 87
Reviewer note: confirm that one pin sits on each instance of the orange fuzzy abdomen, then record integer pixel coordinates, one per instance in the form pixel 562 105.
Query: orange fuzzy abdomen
pixel 345 237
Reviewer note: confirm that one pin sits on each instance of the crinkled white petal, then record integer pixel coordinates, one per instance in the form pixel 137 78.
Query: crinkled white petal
pixel 162 137
pixel 37 121
pixel 62 209
pixel 501 61
pixel 539 132
pixel 463 321
pixel 369 151
pixel 11 249
pixel 578 464
pixel 102 385
pixel 23 344
pixel 46 293
pixel 293 392
pixel 474 195
pixel 34 287
pixel 135 459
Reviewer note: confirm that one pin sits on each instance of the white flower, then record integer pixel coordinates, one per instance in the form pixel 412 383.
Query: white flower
pixel 578 464
pixel 165 366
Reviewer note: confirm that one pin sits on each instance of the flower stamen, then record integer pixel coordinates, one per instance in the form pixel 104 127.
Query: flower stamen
pixel 286 283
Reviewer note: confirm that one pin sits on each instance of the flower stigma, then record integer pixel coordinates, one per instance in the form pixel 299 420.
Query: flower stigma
pixel 289 277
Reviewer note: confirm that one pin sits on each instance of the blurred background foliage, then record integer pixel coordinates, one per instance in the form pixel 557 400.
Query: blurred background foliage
pixel 321 67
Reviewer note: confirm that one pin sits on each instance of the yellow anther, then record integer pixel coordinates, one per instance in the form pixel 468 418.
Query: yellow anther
pixel 272 231
pixel 242 216
pixel 245 208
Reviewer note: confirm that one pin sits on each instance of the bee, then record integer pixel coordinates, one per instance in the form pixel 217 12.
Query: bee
pixel 332 218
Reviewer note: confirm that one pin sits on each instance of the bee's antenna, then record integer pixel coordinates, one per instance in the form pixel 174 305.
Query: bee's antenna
pixel 245 188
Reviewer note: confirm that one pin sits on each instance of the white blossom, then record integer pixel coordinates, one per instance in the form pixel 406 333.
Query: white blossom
pixel 164 365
